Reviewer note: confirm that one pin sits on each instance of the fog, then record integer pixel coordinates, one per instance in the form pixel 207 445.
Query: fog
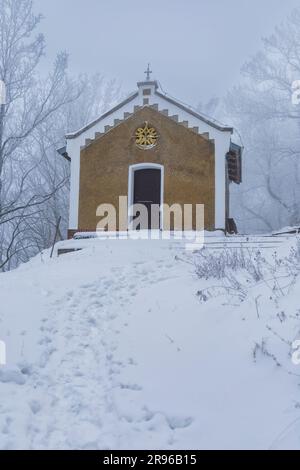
pixel 196 47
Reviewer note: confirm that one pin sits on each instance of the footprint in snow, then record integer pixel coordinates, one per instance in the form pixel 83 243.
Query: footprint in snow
pixel 7 424
pixel 133 387
pixel 35 406
pixel 13 375
pixel 176 422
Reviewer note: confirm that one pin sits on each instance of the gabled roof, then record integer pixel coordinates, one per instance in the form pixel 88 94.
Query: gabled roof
pixel 73 135
pixel 209 121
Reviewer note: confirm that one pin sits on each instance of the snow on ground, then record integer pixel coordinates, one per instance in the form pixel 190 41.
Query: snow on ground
pixel 112 348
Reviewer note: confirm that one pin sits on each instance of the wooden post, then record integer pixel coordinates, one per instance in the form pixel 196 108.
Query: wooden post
pixel 56 232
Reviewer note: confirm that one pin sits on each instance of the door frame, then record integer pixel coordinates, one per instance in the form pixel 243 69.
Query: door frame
pixel 146 166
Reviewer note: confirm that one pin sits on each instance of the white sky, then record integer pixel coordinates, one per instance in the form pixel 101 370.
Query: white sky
pixel 196 47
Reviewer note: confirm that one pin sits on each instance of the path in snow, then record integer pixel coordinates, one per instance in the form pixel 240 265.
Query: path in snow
pixel 78 375
pixel 122 355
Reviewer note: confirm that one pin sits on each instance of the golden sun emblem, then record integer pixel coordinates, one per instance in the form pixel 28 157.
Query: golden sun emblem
pixel 146 137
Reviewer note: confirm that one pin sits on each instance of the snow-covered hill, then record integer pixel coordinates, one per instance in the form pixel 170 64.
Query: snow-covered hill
pixel 122 346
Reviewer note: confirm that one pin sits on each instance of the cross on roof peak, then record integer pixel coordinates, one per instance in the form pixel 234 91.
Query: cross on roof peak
pixel 148 73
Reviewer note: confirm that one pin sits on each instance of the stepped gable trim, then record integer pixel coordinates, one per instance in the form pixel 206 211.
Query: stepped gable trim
pixel 153 109
pixel 212 123
pixel 73 135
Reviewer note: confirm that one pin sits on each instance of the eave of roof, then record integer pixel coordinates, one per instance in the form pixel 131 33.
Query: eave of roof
pixel 63 152
pixel 237 147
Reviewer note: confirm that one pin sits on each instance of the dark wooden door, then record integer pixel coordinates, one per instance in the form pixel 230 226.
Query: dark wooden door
pixel 147 185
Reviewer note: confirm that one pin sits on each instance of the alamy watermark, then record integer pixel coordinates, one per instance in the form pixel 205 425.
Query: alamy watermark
pixel 2 93
pixel 2 353
pixel 153 221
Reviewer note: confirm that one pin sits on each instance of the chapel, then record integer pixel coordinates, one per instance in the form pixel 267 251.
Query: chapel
pixel 153 149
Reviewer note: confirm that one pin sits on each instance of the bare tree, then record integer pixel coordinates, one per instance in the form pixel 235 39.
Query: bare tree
pixel 269 122
pixel 39 110
pixel 97 95
pixel 31 101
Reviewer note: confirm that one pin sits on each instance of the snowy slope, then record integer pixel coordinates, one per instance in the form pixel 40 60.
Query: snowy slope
pixel 111 348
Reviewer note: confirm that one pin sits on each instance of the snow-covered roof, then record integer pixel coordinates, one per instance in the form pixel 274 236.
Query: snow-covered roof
pixel 163 96
pixel 73 135
pixel 208 120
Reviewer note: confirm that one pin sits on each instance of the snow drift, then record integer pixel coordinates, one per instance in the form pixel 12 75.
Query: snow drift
pixel 128 344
